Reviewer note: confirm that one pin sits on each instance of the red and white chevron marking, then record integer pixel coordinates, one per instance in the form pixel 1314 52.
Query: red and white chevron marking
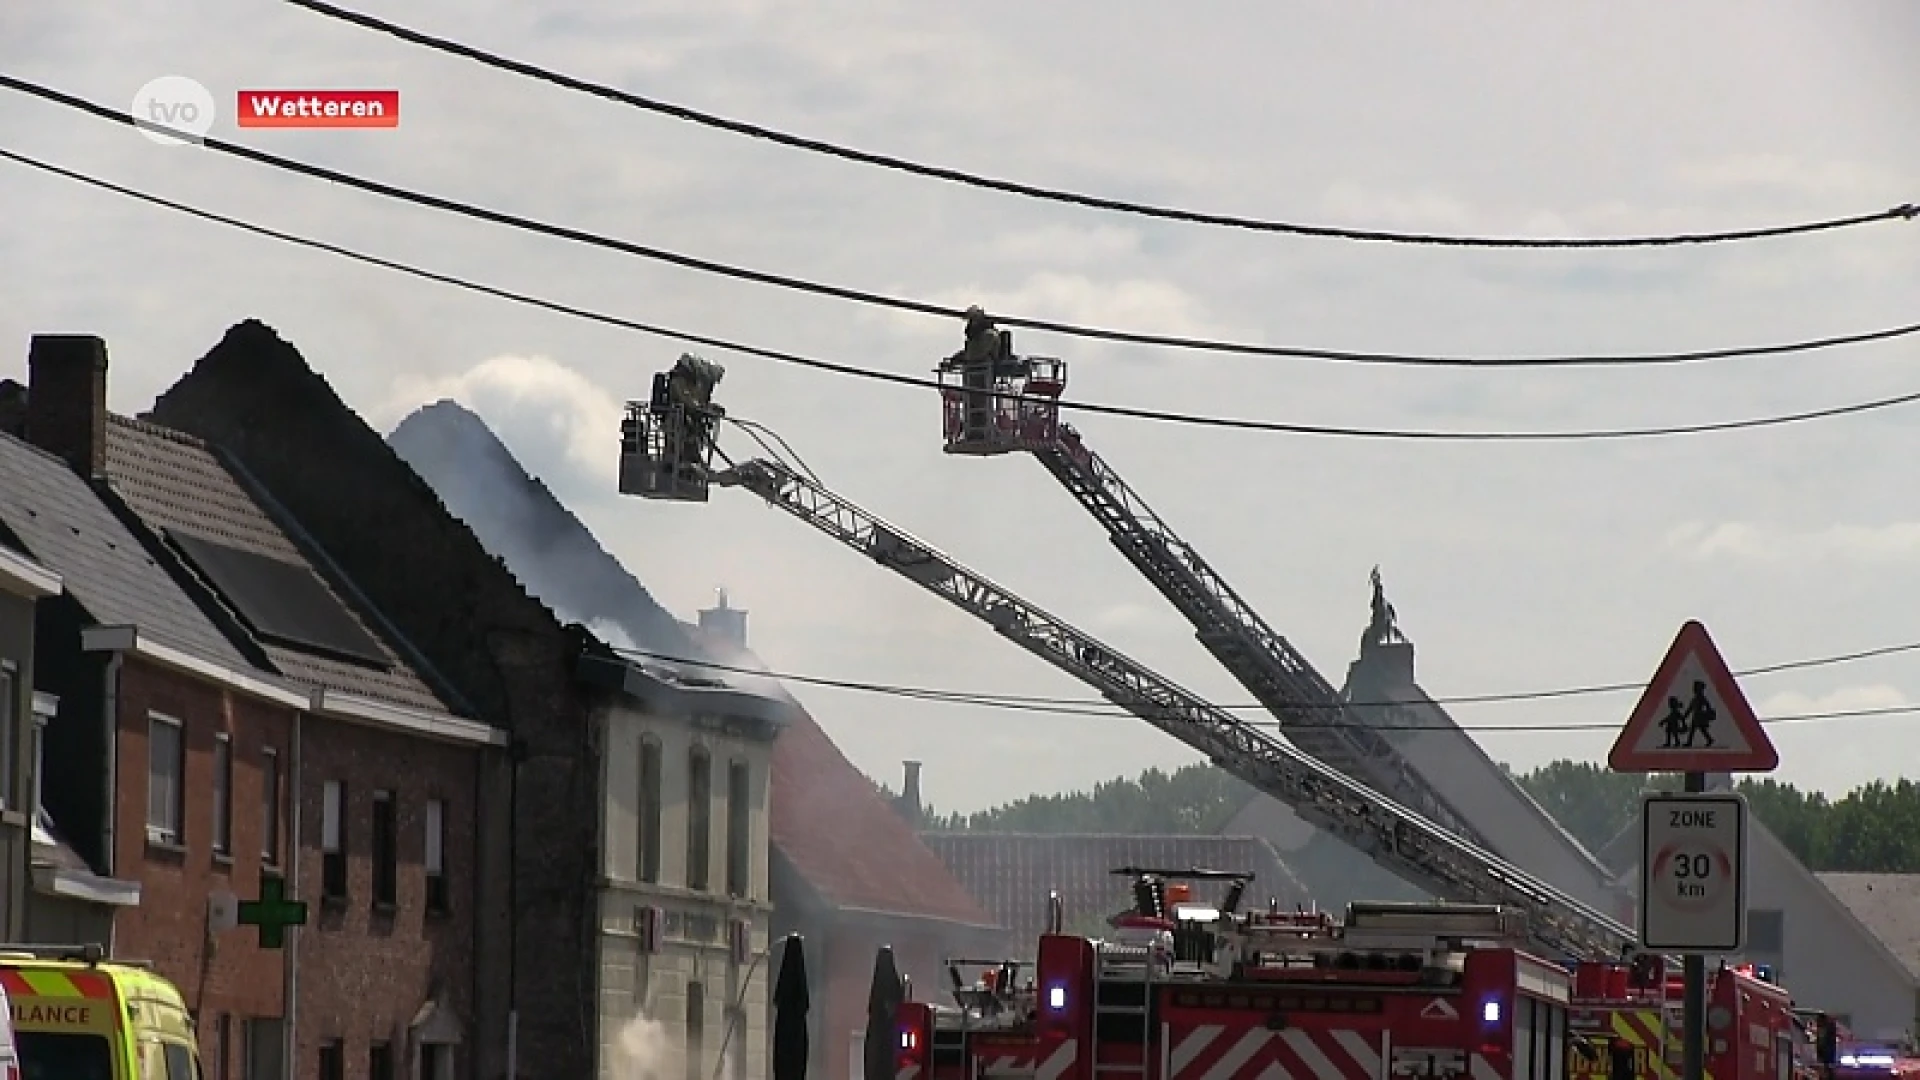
pixel 907 1072
pixel 1217 1052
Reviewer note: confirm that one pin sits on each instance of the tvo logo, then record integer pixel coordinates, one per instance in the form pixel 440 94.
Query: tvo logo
pixel 173 110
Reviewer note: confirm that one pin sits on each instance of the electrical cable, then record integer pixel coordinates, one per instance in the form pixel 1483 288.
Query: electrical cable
pixel 921 307
pixel 1100 707
pixel 817 146
pixel 898 379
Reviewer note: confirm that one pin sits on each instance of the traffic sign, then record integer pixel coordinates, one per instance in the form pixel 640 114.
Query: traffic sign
pixel 1693 717
pixel 1693 873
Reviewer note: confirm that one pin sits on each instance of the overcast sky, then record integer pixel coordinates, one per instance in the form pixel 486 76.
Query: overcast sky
pixel 1513 566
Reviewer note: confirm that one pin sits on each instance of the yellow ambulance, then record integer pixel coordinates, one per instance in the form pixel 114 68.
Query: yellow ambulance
pixel 78 1016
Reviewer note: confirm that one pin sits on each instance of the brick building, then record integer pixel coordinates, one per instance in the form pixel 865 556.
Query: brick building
pixel 129 657
pixel 366 780
pixel 547 888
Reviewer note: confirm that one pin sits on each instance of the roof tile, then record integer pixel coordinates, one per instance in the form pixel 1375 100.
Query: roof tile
pixel 61 521
pixel 1012 873
pixel 175 481
pixel 1888 905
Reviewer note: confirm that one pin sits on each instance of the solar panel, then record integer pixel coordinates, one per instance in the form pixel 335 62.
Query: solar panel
pixel 281 602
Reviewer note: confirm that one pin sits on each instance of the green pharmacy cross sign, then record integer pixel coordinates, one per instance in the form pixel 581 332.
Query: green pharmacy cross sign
pixel 273 913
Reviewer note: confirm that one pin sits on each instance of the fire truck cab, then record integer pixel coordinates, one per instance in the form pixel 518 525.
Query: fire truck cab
pixel 1627 1020
pixel 1194 992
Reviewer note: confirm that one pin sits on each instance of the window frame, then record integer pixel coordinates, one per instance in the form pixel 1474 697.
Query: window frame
pixel 158 832
pixel 383 850
pixel 433 860
pixel 699 818
pixel 651 770
pixel 222 831
pixel 10 683
pixel 272 792
pixel 334 884
pixel 739 828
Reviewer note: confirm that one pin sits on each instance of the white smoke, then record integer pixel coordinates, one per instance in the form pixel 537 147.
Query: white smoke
pixel 646 1049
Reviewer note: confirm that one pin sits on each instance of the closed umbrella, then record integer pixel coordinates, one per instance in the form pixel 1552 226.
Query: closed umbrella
pixel 790 1001
pixel 883 1003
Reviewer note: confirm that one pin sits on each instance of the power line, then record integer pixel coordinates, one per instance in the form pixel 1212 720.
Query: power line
pixel 897 164
pixel 1586 690
pixel 897 379
pixel 1087 707
pixel 921 307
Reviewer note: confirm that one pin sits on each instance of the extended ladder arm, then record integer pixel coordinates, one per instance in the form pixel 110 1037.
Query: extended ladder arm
pixel 1309 709
pixel 1422 853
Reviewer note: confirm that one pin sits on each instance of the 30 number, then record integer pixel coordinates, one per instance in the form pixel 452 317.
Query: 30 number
pixel 1692 866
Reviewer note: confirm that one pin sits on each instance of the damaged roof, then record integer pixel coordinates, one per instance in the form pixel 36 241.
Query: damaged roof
pixel 830 822
pixel 1012 873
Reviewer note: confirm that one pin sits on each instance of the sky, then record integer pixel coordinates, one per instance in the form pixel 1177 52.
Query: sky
pixel 1513 566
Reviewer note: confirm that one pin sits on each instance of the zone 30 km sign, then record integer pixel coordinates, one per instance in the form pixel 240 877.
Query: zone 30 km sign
pixel 1693 873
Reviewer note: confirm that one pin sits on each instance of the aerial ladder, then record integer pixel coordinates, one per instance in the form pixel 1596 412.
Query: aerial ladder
pixel 995 402
pixel 667 453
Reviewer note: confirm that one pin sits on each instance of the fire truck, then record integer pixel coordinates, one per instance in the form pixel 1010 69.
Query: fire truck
pixel 1198 992
pixel 1626 1023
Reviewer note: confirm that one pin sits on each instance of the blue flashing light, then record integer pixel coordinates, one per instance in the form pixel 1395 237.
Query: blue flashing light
pixel 1056 997
pixel 1490 1012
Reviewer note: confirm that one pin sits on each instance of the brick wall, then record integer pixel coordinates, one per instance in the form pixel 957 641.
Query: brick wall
pixel 365 973
pixel 232 976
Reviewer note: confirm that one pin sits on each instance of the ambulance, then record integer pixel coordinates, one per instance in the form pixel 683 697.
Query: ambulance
pixel 78 1016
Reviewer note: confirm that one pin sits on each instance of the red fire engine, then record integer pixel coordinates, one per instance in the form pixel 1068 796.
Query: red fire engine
pixel 1626 1020
pixel 1197 993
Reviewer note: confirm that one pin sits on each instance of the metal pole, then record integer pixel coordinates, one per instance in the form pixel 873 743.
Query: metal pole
pixel 1694 1004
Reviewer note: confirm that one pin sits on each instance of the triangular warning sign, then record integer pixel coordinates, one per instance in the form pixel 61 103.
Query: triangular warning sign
pixel 1438 1009
pixel 1693 717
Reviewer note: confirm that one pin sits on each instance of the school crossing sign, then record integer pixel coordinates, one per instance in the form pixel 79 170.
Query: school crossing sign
pixel 1693 717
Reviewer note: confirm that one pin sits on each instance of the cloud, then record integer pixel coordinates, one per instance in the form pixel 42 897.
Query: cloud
pixel 1845 699
pixel 561 425
pixel 1897 542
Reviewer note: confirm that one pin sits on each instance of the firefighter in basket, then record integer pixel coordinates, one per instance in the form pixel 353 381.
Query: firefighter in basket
pixel 690 387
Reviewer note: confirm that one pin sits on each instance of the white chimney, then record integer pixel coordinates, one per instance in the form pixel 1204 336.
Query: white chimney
pixel 726 622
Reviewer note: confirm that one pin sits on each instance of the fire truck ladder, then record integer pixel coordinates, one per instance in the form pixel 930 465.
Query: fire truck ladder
pixel 1427 856
pixel 998 402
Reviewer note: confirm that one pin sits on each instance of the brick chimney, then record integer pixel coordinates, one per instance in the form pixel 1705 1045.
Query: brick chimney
pixel 67 400
pixel 727 622
pixel 910 805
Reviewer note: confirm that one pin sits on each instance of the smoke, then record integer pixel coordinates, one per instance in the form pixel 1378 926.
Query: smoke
pixel 646 1049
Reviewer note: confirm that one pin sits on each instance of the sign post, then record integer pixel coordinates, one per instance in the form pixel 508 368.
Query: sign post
pixel 1693 719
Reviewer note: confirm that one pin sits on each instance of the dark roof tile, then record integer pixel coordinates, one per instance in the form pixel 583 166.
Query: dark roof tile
pixel 61 521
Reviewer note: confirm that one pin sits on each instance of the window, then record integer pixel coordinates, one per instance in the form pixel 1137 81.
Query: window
pixel 9 733
pixel 386 852
pixel 166 766
pixel 264 1048
pixel 333 837
pixel 437 892
pixel 696 1029
pixel 699 818
pixel 380 1062
pixel 649 861
pixel 436 1061
pixel 179 1061
pixel 222 794
pixel 226 1046
pixel 739 826
pixel 270 799
pixel 333 1060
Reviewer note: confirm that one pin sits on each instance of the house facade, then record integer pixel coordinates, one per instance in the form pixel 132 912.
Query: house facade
pixel 139 684
pixel 545 844
pixel 288 740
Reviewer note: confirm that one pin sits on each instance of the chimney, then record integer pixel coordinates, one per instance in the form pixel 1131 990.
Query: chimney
pixel 910 803
pixel 727 622
pixel 67 400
